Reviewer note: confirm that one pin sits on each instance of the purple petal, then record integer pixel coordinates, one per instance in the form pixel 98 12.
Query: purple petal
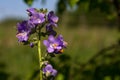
pixel 59 40
pixel 54 72
pixel 54 24
pixel 46 43
pixel 64 44
pixel 37 18
pixel 31 11
pixel 51 38
pixel 60 37
pixel 48 68
pixel 30 24
pixel 49 27
pixel 41 14
pixel 50 50
pixel 24 26
pixel 22 36
pixel 44 70
pixel 58 47
pixel 52 17
pixel 52 32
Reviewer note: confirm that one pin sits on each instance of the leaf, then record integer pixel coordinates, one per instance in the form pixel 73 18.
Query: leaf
pixel 72 3
pixel 29 2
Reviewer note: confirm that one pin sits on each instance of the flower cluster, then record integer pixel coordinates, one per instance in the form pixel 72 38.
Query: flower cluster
pixel 28 27
pixel 40 24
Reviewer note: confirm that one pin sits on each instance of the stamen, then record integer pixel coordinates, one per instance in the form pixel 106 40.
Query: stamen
pixel 54 45
pixel 61 51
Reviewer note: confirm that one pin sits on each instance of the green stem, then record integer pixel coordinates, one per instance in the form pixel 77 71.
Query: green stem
pixel 39 52
pixel 40 59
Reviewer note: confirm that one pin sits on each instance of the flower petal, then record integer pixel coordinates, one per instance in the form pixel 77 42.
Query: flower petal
pixel 50 50
pixel 52 17
pixel 49 67
pixel 46 43
pixel 54 72
pixel 31 11
pixel 60 37
pixel 58 47
pixel 22 36
pixel 51 38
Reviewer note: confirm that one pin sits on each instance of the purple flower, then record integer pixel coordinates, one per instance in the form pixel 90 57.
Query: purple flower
pixel 52 18
pixel 23 31
pixel 49 30
pixel 23 27
pixel 37 18
pixel 55 45
pixel 49 71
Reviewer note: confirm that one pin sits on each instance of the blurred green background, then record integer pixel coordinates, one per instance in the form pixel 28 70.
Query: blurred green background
pixel 91 28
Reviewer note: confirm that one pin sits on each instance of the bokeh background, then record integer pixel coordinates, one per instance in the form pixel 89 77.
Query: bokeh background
pixel 91 28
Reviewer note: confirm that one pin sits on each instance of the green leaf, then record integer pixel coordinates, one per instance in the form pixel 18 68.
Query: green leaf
pixel 29 2
pixel 72 3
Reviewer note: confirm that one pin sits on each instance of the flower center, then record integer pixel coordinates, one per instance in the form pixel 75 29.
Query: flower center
pixel 39 21
pixel 54 45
